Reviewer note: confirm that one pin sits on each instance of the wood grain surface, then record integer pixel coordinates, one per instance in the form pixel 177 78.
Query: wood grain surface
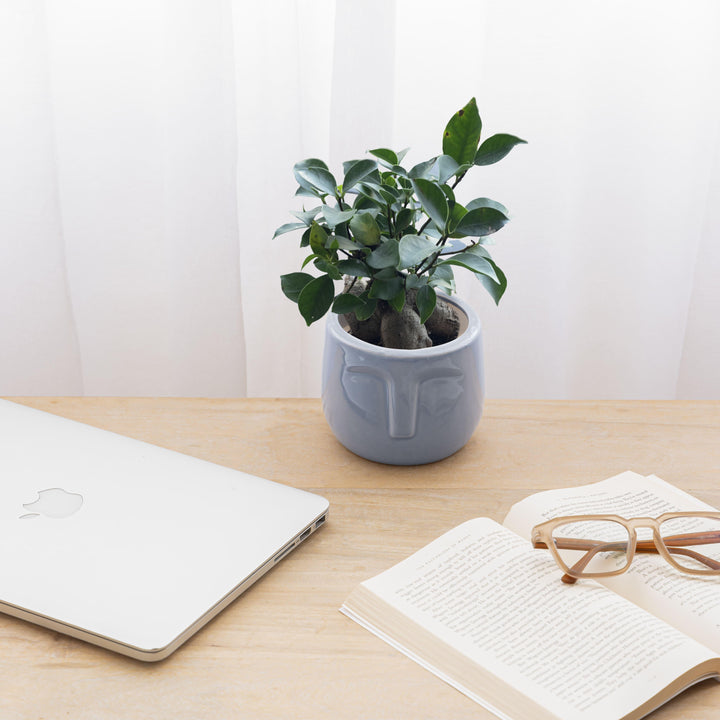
pixel 283 650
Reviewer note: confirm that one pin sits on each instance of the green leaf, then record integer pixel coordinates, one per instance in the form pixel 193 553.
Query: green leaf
pixel 422 170
pixel 309 259
pixel 390 194
pixel 288 227
pixel 354 268
pixel 495 148
pixel 404 219
pixel 426 300
pixel 368 308
pixel 318 239
pixel 385 273
pixel 306 216
pixel 363 202
pixel 371 190
pixel 415 282
pixel 397 303
pixel 346 303
pixel 496 289
pixel 405 183
pixel 316 298
pixel 389 157
pixel 481 221
pixel 479 250
pixel 385 289
pixel 446 167
pixel 433 201
pixel 293 283
pixel 487 202
pixel 383 194
pixel 307 192
pixel 382 222
pixel 310 162
pixel 334 217
pixel 374 177
pixel 365 229
pixel 414 249
pixel 305 187
pixel 327 266
pixel 318 178
pixel 442 277
pixel 347 164
pixel 449 194
pixel 357 172
pixel 457 213
pixel 386 255
pixel 343 243
pixel 462 134
pixel 474 263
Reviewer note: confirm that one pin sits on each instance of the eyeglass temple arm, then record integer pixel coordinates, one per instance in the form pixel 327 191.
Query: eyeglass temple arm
pixel 643 546
pixel 696 538
pixel 592 550
pixel 709 562
pixel 700 538
pixel 574 544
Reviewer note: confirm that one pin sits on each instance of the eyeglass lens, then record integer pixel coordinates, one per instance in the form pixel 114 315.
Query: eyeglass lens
pixel 693 542
pixel 592 546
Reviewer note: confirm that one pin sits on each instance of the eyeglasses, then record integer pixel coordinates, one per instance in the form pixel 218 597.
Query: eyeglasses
pixel 586 546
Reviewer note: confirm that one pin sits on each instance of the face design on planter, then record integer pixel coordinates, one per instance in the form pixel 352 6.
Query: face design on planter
pixel 402 391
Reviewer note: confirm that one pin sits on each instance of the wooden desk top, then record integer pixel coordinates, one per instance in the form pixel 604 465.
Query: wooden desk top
pixel 283 650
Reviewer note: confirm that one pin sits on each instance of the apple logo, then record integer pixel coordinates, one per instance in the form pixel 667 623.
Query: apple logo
pixel 53 503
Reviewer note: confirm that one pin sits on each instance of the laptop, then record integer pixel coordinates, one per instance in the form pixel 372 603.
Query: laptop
pixel 130 546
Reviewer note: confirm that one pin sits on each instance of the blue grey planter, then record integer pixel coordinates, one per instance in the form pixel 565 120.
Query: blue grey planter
pixel 403 407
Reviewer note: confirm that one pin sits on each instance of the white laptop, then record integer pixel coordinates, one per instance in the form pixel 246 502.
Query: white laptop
pixel 127 545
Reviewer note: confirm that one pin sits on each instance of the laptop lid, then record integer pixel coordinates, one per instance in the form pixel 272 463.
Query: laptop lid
pixel 126 545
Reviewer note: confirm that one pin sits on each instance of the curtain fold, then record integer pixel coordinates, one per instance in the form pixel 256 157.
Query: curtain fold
pixel 147 155
pixel 138 134
pixel 283 64
pixel 40 352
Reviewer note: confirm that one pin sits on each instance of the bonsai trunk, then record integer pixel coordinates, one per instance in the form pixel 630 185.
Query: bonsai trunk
pixel 403 330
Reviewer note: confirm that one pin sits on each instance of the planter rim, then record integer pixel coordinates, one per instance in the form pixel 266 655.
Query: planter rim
pixel 473 329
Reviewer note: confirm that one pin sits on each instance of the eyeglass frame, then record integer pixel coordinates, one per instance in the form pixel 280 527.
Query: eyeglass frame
pixel 541 537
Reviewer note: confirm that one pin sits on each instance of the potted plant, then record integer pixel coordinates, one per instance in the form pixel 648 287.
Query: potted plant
pixel 402 368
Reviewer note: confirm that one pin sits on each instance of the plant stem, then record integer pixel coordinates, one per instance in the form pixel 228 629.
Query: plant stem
pixel 433 258
pixel 424 225
pixel 441 242
pixel 457 180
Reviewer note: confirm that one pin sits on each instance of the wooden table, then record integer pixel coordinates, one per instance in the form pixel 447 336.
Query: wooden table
pixel 283 650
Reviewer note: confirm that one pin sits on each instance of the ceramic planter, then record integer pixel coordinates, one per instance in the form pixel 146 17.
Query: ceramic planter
pixel 403 407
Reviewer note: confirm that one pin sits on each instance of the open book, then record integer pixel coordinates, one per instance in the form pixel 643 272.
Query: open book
pixel 488 613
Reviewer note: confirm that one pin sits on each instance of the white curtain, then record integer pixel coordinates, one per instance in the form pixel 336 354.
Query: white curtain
pixel 146 150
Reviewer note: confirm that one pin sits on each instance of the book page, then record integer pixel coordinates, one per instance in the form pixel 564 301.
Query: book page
pixel 581 652
pixel 691 603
